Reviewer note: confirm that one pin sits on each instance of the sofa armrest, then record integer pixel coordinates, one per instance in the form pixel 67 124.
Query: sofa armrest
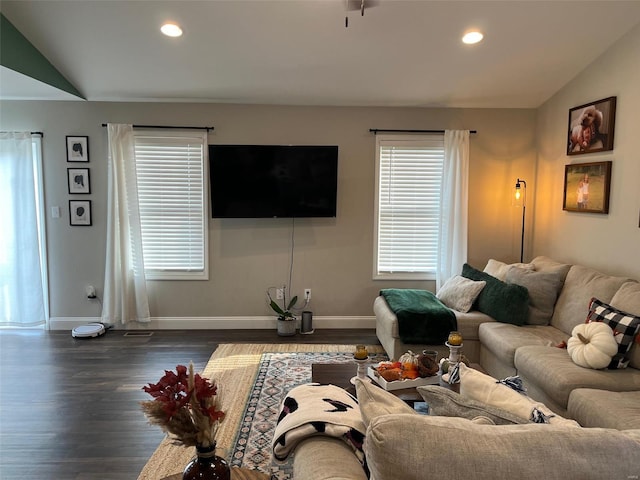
pixel 325 458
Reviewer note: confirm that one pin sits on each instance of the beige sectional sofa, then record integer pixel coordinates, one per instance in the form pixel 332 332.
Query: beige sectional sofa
pixel 400 444
pixel 529 351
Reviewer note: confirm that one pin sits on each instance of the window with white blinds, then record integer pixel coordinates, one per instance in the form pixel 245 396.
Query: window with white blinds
pixel 171 171
pixel 408 180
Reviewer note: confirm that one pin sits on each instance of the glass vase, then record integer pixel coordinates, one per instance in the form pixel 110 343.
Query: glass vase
pixel 207 465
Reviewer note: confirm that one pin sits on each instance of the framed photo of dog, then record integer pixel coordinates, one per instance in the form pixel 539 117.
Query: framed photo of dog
pixel 591 127
pixel 586 187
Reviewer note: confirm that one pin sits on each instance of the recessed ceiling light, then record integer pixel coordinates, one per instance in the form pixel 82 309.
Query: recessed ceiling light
pixel 171 30
pixel 472 37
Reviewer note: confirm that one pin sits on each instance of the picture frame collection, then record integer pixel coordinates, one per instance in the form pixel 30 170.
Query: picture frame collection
pixel 587 186
pixel 78 181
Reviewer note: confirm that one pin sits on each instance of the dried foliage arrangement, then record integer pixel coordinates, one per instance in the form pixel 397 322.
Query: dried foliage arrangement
pixel 186 406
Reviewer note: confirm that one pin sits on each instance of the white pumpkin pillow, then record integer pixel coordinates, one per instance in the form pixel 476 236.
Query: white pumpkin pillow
pixel 625 326
pixel 592 345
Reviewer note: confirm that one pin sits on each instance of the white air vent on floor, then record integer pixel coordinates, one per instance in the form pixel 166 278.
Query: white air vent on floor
pixel 138 334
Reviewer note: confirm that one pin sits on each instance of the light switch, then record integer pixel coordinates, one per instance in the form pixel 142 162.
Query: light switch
pixel 55 212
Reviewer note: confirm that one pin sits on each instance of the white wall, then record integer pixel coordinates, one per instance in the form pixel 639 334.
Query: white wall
pixel 333 257
pixel 610 243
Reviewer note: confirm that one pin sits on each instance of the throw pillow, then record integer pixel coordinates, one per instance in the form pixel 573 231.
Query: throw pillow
pixel 507 303
pixel 483 388
pixel 543 288
pixel 459 293
pixel 625 328
pixel 447 403
pixel 628 299
pixel 499 269
pixel 375 401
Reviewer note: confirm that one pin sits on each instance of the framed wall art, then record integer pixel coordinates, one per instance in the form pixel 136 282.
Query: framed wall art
pixel 77 149
pixel 78 180
pixel 80 212
pixel 586 187
pixel 591 127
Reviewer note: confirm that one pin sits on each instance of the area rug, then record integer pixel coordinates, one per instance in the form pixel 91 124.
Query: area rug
pixel 253 379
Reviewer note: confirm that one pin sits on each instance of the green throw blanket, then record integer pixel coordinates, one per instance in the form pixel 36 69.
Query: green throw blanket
pixel 422 317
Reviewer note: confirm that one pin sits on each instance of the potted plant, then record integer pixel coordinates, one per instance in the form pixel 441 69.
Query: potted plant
pixel 286 321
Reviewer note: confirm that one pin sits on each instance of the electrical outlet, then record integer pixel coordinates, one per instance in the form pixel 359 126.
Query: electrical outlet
pixel 307 294
pixel 90 290
pixel 279 293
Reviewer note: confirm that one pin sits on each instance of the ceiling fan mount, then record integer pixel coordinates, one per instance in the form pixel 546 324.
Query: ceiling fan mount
pixel 358 5
pixel 355 5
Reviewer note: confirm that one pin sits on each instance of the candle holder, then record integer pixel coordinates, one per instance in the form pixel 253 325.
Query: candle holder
pixel 362 369
pixel 455 353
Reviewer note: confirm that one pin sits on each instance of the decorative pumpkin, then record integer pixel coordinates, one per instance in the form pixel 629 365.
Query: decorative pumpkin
pixel 592 345
pixel 408 357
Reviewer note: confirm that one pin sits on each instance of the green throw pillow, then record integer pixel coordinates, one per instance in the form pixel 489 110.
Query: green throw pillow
pixel 507 303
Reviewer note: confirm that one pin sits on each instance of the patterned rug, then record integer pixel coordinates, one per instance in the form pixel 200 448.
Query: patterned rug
pixel 278 373
pixel 252 379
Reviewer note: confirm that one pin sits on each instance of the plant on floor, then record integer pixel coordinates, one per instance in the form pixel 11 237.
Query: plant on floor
pixel 284 312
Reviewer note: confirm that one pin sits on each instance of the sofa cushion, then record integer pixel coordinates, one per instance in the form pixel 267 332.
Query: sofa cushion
pixel 483 388
pixel 625 328
pixel 459 293
pixel 602 408
pixel 546 264
pixel 503 339
pixel 441 448
pixel 499 269
pixel 553 371
pixel 447 403
pixel 375 401
pixel 582 283
pixel 504 302
pixel 543 288
pixel 628 299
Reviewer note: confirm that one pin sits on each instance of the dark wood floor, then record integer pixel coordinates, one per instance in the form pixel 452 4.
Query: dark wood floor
pixel 69 407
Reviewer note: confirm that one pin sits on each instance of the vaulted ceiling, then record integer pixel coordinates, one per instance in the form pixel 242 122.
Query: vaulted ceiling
pixel 299 52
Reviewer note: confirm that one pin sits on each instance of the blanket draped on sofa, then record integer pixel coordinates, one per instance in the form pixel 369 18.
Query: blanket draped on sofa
pixel 422 317
pixel 313 409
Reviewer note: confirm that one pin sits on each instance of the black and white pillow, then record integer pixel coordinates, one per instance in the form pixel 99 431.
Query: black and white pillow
pixel 625 328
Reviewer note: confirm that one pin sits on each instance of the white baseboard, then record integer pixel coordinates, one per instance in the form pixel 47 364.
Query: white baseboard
pixel 213 323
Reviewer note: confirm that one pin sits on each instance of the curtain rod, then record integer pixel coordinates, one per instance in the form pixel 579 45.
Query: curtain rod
pixel 378 130
pixel 208 129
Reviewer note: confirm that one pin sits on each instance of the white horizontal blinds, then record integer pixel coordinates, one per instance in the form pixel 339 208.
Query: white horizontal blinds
pixel 171 195
pixel 409 181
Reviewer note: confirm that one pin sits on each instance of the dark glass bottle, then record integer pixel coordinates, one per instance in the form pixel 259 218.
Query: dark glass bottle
pixel 207 466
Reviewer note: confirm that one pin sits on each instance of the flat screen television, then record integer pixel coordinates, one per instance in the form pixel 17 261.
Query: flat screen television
pixel 270 181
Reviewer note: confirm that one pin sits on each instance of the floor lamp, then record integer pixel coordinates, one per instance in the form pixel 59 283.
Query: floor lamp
pixel 521 199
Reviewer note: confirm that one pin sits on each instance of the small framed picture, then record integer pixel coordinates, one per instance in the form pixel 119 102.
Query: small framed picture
pixel 77 149
pixel 78 180
pixel 591 127
pixel 80 212
pixel 586 187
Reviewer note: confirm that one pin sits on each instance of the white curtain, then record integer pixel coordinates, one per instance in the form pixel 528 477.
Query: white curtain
pixel 125 289
pixel 22 301
pixel 452 246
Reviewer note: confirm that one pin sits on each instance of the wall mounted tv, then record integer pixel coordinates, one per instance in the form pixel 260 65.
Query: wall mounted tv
pixel 268 181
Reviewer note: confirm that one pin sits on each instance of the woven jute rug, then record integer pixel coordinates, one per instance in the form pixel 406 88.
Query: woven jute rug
pixel 235 368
